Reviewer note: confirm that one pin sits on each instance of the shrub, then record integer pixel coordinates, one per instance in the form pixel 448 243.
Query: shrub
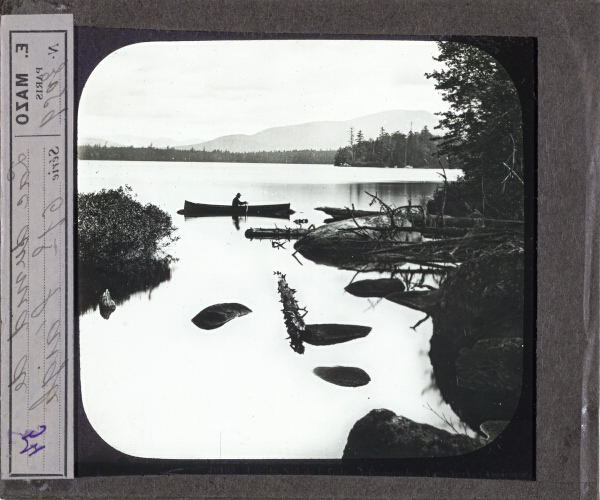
pixel 118 233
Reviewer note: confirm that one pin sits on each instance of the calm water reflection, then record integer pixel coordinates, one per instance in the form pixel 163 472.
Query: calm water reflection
pixel 93 283
pixel 239 391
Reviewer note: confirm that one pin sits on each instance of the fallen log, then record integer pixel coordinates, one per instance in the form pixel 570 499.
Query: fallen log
pixel 318 334
pixel 394 238
pixel 414 213
pixel 294 322
pixel 346 213
pixel 275 233
pixel 431 220
pixel 428 232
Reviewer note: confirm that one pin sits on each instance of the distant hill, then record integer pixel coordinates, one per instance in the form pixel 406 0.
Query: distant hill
pixel 93 141
pixel 128 140
pixel 321 134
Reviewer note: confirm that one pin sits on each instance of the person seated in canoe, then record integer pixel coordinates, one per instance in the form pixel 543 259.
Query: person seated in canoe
pixel 237 202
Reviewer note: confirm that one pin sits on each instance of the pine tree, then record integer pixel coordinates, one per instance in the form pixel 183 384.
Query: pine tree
pixel 483 128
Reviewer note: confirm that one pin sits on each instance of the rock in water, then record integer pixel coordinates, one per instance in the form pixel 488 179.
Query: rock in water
pixel 107 305
pixel 493 428
pixel 217 315
pixel 346 376
pixel 328 334
pixel 383 434
pixel 425 301
pixel 375 288
pixel 335 243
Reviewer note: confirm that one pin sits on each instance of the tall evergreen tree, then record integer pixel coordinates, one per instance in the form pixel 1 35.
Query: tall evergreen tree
pixel 483 129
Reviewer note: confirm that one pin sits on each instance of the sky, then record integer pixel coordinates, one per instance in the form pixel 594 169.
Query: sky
pixel 197 91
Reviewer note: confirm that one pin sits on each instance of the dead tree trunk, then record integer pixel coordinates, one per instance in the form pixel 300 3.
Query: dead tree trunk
pixel 294 321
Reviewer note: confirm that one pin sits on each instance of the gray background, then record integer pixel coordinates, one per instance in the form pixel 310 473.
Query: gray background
pixel 568 35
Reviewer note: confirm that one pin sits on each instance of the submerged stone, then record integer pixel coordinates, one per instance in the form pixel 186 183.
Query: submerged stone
pixel 328 334
pixel 375 288
pixel 346 376
pixel 218 314
pixel 383 434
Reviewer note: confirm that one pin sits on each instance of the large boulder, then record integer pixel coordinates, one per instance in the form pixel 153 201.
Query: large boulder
pixel 492 365
pixel 346 376
pixel 484 291
pixel 218 314
pixel 360 228
pixel 336 242
pixel 383 434
pixel 476 347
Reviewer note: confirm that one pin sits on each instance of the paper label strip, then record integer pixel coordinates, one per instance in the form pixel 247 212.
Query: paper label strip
pixel 37 314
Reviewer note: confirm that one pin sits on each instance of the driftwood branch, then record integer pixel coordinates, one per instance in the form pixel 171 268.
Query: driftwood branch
pixel 389 210
pixel 421 321
pixel 445 177
pixel 363 231
pixel 294 321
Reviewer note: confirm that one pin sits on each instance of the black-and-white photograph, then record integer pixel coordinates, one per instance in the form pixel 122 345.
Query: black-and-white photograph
pixel 302 249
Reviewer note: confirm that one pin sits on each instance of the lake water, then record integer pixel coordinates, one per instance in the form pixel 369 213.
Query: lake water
pixel 155 385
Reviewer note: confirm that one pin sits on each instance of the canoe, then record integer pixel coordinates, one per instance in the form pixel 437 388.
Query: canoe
pixel 200 209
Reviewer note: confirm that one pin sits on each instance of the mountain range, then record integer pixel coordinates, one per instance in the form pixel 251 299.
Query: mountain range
pixel 127 140
pixel 313 135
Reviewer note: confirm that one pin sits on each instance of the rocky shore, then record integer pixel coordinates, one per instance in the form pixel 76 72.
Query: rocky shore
pixel 477 358
pixel 383 434
pixel 477 313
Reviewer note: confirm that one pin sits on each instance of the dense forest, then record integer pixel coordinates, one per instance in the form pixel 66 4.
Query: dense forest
pixel 483 134
pixel 123 153
pixel 415 149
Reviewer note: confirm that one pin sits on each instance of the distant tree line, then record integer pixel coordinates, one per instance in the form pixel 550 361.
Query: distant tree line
pixel 150 153
pixel 415 149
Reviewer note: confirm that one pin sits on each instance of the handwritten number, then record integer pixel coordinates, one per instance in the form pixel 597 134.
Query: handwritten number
pixel 39 250
pixel 20 202
pixel 40 309
pixel 53 206
pixel 20 161
pixel 32 434
pixel 52 83
pixel 34 447
pixel 18 374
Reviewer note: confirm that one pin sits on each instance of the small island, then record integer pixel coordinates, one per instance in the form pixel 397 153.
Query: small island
pixel 395 150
